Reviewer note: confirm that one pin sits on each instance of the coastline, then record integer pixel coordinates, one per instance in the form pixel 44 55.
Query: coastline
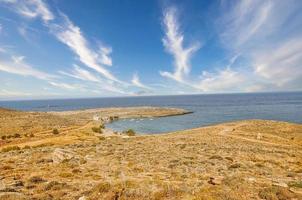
pixel 250 158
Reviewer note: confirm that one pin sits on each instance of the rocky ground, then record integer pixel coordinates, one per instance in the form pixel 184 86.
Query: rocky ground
pixel 253 159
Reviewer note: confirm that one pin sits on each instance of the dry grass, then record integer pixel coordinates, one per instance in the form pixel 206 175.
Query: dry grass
pixel 225 161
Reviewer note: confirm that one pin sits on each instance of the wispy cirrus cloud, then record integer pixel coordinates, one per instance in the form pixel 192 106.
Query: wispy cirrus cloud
pixel 238 23
pixel 174 44
pixel 72 36
pixel 136 82
pixel 85 75
pixel 104 55
pixel 280 65
pixel 66 85
pixel 267 33
pixel 17 65
pixel 82 74
pixel 222 80
pixel 31 9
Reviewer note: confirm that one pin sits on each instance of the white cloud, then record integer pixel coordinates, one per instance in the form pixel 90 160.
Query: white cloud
pixel 267 34
pixel 8 93
pixel 17 65
pixel 174 44
pixel 221 81
pixel 72 36
pixel 31 9
pixel 282 64
pixel 104 55
pixel 240 24
pixel 65 85
pixel 82 74
pixel 136 82
pixel 2 50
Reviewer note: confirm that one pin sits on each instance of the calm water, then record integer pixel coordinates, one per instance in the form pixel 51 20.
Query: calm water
pixel 208 109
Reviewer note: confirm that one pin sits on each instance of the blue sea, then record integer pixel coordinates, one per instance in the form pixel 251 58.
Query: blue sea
pixel 207 109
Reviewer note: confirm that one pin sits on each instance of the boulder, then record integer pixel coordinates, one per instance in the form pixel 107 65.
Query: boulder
pixel 217 180
pixel 82 198
pixel 280 184
pixel 59 155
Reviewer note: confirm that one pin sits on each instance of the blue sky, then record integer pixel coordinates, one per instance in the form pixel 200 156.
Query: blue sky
pixel 65 48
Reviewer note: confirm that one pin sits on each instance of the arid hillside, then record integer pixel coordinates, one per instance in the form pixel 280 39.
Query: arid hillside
pixel 253 159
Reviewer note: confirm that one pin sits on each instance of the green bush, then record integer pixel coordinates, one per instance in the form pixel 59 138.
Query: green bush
pixel 297 184
pixel 55 131
pixel 102 126
pixel 26 147
pixel 130 132
pixel 96 129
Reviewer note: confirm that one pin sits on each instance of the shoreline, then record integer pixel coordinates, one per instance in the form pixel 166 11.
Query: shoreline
pixel 251 158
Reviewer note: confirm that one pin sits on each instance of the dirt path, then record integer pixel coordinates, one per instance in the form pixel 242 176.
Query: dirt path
pixel 227 132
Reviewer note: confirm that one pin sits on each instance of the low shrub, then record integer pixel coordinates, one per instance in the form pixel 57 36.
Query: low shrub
pixel 102 138
pixel 130 132
pixel 3 137
pixel 17 135
pixel 66 175
pixel 55 131
pixel 97 129
pixel 234 166
pixel 273 193
pixel 26 147
pixel 297 184
pixel 54 185
pixel 36 179
pixel 11 148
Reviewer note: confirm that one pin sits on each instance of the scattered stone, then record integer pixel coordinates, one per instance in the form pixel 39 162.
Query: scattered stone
pixel 217 180
pixel 234 166
pixel 82 198
pixel 280 184
pixel 12 195
pixel 17 184
pixel 217 157
pixel 43 160
pixel 229 158
pixel 259 136
pixel 60 155
pixel 291 174
pixel 251 179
